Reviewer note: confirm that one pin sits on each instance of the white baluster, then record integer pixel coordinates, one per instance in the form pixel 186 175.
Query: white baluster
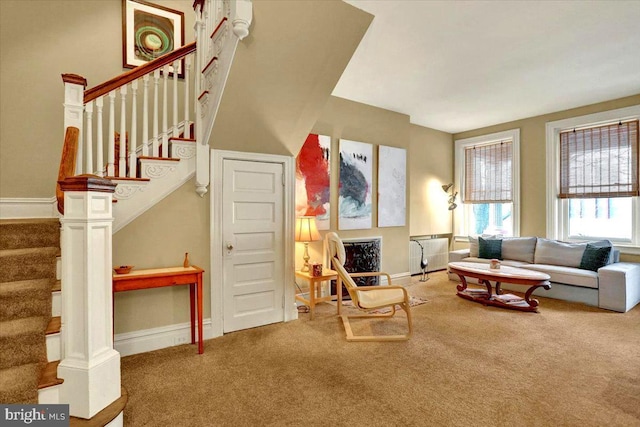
pixel 122 163
pixel 156 136
pixel 99 164
pixel 145 115
pixel 134 129
pixel 187 123
pixel 88 109
pixel 176 65
pixel 165 125
pixel 111 170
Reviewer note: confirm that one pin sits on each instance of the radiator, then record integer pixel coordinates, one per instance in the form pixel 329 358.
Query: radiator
pixel 435 250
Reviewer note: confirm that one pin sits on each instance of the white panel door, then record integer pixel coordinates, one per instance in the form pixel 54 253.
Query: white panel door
pixel 253 245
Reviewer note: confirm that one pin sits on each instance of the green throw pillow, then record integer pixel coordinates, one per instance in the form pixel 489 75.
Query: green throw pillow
pixel 489 248
pixel 595 257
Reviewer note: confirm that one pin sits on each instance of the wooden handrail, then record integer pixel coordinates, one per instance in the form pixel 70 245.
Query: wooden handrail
pixel 129 76
pixel 67 162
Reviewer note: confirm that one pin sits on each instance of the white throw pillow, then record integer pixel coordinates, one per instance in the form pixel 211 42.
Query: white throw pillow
pixel 519 248
pixel 554 252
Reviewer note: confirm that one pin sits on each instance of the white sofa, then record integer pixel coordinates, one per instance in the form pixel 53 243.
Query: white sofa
pixel 614 286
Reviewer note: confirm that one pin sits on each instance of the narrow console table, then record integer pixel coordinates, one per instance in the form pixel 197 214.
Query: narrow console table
pixel 484 274
pixel 171 276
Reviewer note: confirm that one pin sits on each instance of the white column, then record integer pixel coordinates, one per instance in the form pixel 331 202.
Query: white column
pixel 90 366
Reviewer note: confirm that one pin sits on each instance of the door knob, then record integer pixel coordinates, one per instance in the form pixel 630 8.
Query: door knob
pixel 229 245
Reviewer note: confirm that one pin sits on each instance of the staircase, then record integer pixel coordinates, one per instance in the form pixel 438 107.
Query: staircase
pixel 147 130
pixel 29 250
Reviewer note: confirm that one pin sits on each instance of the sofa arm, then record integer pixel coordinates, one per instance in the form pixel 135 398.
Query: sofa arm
pixel 619 286
pixel 459 255
pixel 455 256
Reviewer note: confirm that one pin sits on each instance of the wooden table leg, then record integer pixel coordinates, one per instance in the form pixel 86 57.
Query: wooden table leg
pixel 192 312
pixel 312 297
pixel 199 301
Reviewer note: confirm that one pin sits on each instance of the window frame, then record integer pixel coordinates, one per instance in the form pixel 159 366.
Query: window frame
pixel 460 221
pixel 558 209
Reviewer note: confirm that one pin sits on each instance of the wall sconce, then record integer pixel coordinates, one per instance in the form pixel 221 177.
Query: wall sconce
pixel 306 231
pixel 452 197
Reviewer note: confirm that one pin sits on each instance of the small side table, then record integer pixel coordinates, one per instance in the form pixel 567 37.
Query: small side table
pixel 314 290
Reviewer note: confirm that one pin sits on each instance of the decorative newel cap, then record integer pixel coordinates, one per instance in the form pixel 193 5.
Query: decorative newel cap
pixel 75 79
pixel 87 183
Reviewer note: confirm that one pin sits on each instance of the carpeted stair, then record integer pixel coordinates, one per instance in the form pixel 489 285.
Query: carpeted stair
pixel 28 252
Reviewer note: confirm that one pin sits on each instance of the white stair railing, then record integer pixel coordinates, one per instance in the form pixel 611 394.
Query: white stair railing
pixel 123 105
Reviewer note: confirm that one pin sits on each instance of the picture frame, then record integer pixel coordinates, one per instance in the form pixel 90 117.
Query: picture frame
pixel 150 31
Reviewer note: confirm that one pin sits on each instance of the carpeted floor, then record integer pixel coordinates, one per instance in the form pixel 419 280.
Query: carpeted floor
pixel 466 365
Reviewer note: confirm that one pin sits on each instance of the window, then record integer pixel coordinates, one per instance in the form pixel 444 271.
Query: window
pixel 592 174
pixel 487 173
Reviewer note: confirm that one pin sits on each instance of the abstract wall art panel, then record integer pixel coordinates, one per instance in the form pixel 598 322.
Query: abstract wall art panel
pixel 392 186
pixel 313 179
pixel 356 185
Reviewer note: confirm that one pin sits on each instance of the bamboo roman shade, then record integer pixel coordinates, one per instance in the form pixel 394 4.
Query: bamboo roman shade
pixel 599 161
pixel 488 173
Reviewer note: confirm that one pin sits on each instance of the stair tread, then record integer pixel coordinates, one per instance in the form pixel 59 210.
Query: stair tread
pixel 28 221
pixel 15 327
pixel 54 326
pixel 168 159
pixel 177 138
pixel 123 178
pixel 26 286
pixel 49 375
pixel 47 250
pixel 19 382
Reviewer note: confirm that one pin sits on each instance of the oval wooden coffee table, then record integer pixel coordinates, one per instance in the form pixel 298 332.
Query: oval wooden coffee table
pixel 514 275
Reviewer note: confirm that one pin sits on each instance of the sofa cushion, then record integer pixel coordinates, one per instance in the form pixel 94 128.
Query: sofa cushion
pixel 595 257
pixel 507 262
pixel 567 275
pixel 554 252
pixel 489 248
pixel 519 248
pixel 474 247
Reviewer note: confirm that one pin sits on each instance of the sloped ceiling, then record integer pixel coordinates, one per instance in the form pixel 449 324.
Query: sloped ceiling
pixel 462 65
pixel 283 73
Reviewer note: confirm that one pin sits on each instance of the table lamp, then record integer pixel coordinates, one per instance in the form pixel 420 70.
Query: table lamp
pixel 306 231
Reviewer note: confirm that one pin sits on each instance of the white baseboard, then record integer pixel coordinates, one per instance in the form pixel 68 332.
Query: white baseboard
pixel 399 278
pixel 145 340
pixel 17 208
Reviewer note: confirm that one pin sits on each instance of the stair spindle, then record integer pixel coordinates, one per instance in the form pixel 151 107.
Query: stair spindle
pixel 99 165
pixel 134 131
pixel 112 135
pixel 145 115
pixel 122 163
pixel 187 125
pixel 88 109
pixel 176 67
pixel 165 112
pixel 156 135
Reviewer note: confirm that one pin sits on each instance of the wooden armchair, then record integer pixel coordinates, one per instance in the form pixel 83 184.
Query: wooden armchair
pixel 366 298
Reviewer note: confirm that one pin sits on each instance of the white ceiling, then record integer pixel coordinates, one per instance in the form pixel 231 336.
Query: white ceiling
pixel 461 65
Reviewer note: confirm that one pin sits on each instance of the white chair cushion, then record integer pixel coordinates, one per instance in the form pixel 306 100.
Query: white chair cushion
pixel 380 297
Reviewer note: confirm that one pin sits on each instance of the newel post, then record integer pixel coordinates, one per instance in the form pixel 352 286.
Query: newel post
pixel 90 365
pixel 74 86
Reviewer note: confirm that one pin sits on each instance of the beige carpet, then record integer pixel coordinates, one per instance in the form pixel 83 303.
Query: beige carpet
pixel 467 365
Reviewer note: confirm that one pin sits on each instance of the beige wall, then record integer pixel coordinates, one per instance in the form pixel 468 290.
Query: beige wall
pixel 533 161
pixel 159 238
pixel 431 164
pixel 39 41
